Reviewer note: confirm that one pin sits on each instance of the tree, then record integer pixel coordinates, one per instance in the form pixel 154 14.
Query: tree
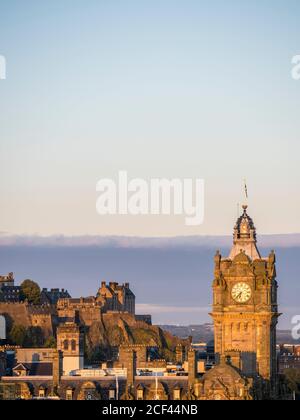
pixel 50 343
pixel 293 379
pixel 18 335
pixel 31 291
pixel 34 337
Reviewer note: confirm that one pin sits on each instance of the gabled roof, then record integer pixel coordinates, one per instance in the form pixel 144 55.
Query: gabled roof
pixel 21 366
pixel 35 369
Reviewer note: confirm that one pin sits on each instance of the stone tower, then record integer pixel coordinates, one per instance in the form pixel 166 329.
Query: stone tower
pixel 192 367
pixel 70 341
pixel 245 309
pixel 130 365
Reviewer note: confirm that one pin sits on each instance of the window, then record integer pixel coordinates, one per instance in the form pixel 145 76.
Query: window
pixel 112 394
pixel 73 345
pixel 66 344
pixel 69 395
pixel 176 394
pixel 140 394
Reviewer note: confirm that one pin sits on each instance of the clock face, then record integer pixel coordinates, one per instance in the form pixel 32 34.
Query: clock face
pixel 241 292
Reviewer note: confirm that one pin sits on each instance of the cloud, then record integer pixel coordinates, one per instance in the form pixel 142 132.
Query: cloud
pixel 175 315
pixel 179 242
pixel 148 308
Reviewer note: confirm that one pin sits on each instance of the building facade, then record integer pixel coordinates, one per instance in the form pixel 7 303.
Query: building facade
pixel 245 311
pixel 70 342
pixel 288 358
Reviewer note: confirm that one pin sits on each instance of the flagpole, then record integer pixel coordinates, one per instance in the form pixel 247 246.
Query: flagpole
pixel 246 191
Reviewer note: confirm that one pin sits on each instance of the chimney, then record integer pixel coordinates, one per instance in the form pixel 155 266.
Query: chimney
pixel 180 353
pixel 192 367
pixel 130 364
pixel 57 366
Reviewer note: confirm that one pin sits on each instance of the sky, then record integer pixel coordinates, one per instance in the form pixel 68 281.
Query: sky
pixel 171 281
pixel 164 88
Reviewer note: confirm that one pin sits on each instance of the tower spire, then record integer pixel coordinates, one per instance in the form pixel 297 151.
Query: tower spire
pixel 244 237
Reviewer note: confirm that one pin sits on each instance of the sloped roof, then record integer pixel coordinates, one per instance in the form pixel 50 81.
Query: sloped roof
pixel 36 369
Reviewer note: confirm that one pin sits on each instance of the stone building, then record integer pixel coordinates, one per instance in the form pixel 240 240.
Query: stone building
pixel 8 291
pixel 7 281
pixel 116 297
pixel 111 297
pixel 70 342
pixel 57 305
pixel 27 315
pixel 222 382
pixel 245 308
pixel 52 296
pixel 244 312
pixel 288 358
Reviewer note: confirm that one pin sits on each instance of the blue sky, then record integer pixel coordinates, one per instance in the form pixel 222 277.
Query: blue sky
pixel 161 89
pixel 156 272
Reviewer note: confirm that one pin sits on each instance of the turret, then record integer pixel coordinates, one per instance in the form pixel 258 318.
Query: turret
pixel 244 237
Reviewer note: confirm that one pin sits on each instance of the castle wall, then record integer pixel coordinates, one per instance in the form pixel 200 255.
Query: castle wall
pixel 15 313
pixel 87 313
pixel 20 313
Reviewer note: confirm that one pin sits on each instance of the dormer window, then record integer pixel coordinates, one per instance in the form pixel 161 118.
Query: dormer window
pixel 112 394
pixel 176 394
pixel 41 393
pixel 140 394
pixel 69 394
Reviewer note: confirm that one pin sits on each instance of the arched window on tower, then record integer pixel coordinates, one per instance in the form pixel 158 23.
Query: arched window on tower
pixel 73 345
pixel 66 344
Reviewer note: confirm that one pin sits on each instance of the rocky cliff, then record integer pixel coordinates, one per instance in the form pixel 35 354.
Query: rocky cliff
pixel 103 336
pixel 115 329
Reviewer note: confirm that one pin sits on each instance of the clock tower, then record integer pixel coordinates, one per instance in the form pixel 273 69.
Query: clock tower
pixel 245 309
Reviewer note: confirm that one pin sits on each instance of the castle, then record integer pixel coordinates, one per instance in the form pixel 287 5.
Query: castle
pixel 57 305
pixel 112 297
